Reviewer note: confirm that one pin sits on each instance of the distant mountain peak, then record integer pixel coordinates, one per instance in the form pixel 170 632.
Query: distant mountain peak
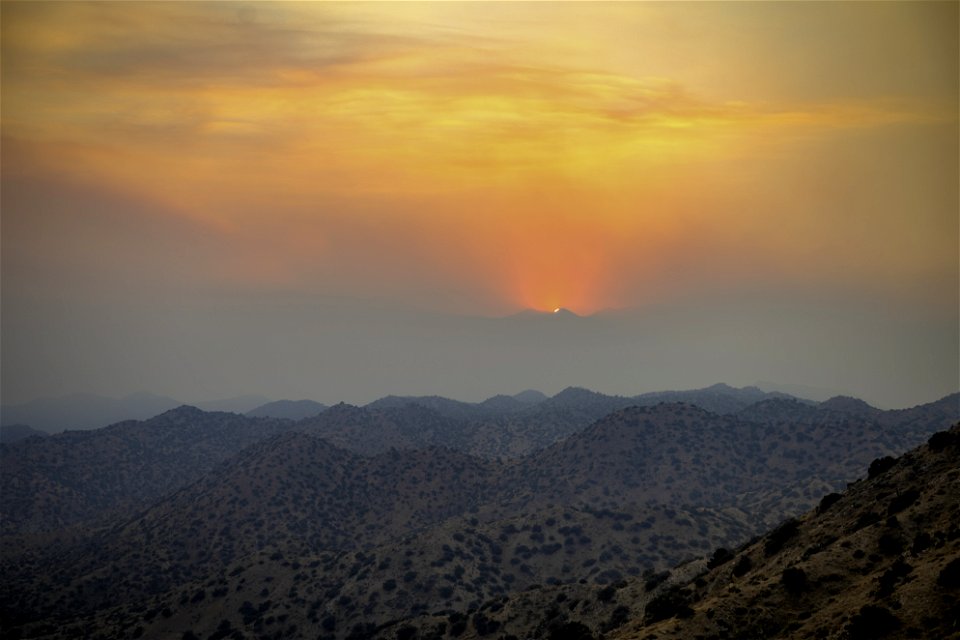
pixel 183 411
pixel 556 312
pixel 530 396
pixel 847 404
pixel 723 386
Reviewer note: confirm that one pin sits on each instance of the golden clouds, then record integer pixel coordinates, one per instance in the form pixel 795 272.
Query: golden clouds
pixel 553 146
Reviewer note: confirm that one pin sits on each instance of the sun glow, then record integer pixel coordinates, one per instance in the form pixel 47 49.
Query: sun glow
pixel 548 165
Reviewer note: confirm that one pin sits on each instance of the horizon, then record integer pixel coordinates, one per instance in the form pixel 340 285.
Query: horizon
pixel 362 199
pixel 255 400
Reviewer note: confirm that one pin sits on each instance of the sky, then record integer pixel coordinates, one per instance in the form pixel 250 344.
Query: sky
pixel 339 200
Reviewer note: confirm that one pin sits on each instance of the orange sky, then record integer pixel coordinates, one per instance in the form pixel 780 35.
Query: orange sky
pixel 486 157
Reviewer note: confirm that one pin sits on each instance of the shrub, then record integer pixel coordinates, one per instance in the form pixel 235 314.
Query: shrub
pixel 329 623
pixel 484 625
pixel 921 543
pixel 890 544
pixel 656 580
pixel 721 556
pixel 570 631
pixel 619 617
pixel 880 465
pixel 872 622
pixel 780 536
pixel 950 575
pixel 827 501
pixel 891 576
pixel 942 439
pixel 673 602
pixel 406 632
pixel 794 580
pixel 902 501
pixel 744 564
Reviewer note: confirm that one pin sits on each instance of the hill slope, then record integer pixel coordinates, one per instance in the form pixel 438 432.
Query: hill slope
pixel 880 560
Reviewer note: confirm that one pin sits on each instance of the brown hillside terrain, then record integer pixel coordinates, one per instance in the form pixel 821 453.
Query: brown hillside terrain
pixel 293 520
pixel 881 560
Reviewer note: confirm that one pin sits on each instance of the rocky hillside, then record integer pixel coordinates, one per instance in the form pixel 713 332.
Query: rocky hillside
pixel 294 530
pixel 880 560
pixel 90 476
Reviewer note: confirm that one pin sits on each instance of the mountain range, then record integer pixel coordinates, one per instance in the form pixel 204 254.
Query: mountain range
pixel 214 523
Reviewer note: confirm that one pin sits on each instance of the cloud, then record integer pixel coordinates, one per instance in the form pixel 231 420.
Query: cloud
pixel 364 148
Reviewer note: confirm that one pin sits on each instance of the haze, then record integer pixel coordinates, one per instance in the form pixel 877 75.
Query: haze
pixel 344 200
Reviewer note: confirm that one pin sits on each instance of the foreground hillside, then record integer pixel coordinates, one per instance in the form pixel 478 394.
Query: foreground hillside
pixel 880 560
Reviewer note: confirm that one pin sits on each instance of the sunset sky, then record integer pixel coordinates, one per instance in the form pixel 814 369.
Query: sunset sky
pixel 171 167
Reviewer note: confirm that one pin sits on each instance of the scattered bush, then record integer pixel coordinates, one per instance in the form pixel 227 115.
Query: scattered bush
pixel 673 602
pixel 902 501
pixel 891 576
pixel 872 622
pixel 865 520
pixel 827 501
pixel 721 556
pixel 950 575
pixel 921 543
pixel 943 439
pixel 619 617
pixel 570 631
pixel 744 564
pixel 780 536
pixel 606 594
pixel 406 632
pixel 484 625
pixel 794 580
pixel 656 580
pixel 890 544
pixel 880 465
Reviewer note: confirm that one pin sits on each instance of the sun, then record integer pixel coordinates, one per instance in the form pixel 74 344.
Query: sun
pixel 557 310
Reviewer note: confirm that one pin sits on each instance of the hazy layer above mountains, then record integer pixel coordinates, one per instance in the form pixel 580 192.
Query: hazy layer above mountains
pixel 333 350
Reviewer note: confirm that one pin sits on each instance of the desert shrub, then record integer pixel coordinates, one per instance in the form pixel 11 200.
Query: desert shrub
pixel 794 580
pixel 721 556
pixel 880 465
pixel 827 501
pixel 865 520
pixel 902 501
pixel 890 544
pixel 780 536
pixel 484 625
pixel 891 576
pixel 673 602
pixel 619 617
pixel 606 594
pixel 329 623
pixel 950 575
pixel 744 564
pixel 570 631
pixel 942 439
pixel 457 628
pixel 872 622
pixel 406 632
pixel 656 580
